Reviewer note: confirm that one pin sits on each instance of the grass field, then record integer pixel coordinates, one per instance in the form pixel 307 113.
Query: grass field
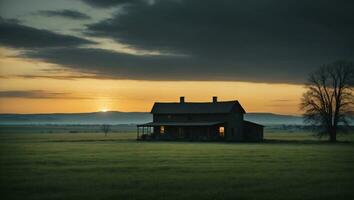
pixel 91 166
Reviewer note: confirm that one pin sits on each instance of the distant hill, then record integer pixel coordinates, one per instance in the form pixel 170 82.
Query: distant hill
pixel 274 119
pixel 115 117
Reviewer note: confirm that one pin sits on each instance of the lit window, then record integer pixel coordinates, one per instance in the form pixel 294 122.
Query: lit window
pixel 221 131
pixel 162 129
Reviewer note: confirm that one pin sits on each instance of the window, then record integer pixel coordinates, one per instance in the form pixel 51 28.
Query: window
pixel 221 131
pixel 162 129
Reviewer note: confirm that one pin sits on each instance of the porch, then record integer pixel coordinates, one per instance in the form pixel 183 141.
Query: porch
pixel 181 130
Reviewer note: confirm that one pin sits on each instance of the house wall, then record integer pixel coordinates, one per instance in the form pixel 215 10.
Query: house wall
pixel 233 126
pixel 252 132
pixel 193 133
pixel 233 121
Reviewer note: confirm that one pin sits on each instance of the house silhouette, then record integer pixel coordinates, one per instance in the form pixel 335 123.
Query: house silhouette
pixel 216 120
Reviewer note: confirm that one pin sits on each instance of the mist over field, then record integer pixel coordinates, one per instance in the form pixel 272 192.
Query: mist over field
pixel 115 117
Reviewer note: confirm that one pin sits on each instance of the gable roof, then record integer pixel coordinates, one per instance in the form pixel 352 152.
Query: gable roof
pixel 197 108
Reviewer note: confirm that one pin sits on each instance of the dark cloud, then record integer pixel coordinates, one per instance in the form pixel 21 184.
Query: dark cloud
pixel 20 36
pixel 59 77
pixel 108 3
pixel 274 38
pixel 111 64
pixel 226 40
pixel 34 94
pixel 66 13
pixel 37 94
pixel 233 28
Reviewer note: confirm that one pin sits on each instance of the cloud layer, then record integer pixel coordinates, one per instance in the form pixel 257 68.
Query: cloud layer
pixel 113 64
pixel 66 13
pixel 108 3
pixel 20 36
pixel 38 94
pixel 260 41
pixel 31 94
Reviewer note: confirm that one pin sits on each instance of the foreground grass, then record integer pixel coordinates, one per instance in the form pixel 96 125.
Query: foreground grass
pixel 91 166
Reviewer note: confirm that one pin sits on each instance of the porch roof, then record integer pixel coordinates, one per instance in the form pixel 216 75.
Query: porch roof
pixel 180 124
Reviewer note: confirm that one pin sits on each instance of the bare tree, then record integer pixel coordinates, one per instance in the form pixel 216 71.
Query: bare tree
pixel 329 98
pixel 106 128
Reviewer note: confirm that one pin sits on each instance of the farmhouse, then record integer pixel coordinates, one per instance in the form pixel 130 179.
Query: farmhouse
pixel 216 120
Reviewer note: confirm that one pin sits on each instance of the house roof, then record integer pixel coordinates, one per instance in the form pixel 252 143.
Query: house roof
pixel 197 108
pixel 180 124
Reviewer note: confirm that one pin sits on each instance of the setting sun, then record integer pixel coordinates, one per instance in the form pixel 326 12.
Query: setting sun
pixel 104 110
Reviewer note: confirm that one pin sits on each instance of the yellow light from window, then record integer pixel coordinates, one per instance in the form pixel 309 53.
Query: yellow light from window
pixel 221 131
pixel 162 129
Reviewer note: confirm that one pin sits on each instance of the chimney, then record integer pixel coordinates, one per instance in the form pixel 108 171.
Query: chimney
pixel 181 99
pixel 215 99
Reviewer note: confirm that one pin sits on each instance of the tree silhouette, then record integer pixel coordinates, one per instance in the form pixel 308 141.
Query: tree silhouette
pixel 329 98
pixel 106 128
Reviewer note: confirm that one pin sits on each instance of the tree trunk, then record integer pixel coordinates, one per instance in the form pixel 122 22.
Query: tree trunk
pixel 333 135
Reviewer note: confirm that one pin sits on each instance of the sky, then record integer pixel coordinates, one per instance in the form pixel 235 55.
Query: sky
pixel 92 55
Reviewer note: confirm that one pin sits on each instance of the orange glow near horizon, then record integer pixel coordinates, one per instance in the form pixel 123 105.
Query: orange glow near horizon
pixel 90 95
pixel 97 95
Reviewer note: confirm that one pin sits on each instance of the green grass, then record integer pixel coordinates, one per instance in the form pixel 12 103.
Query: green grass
pixel 91 166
